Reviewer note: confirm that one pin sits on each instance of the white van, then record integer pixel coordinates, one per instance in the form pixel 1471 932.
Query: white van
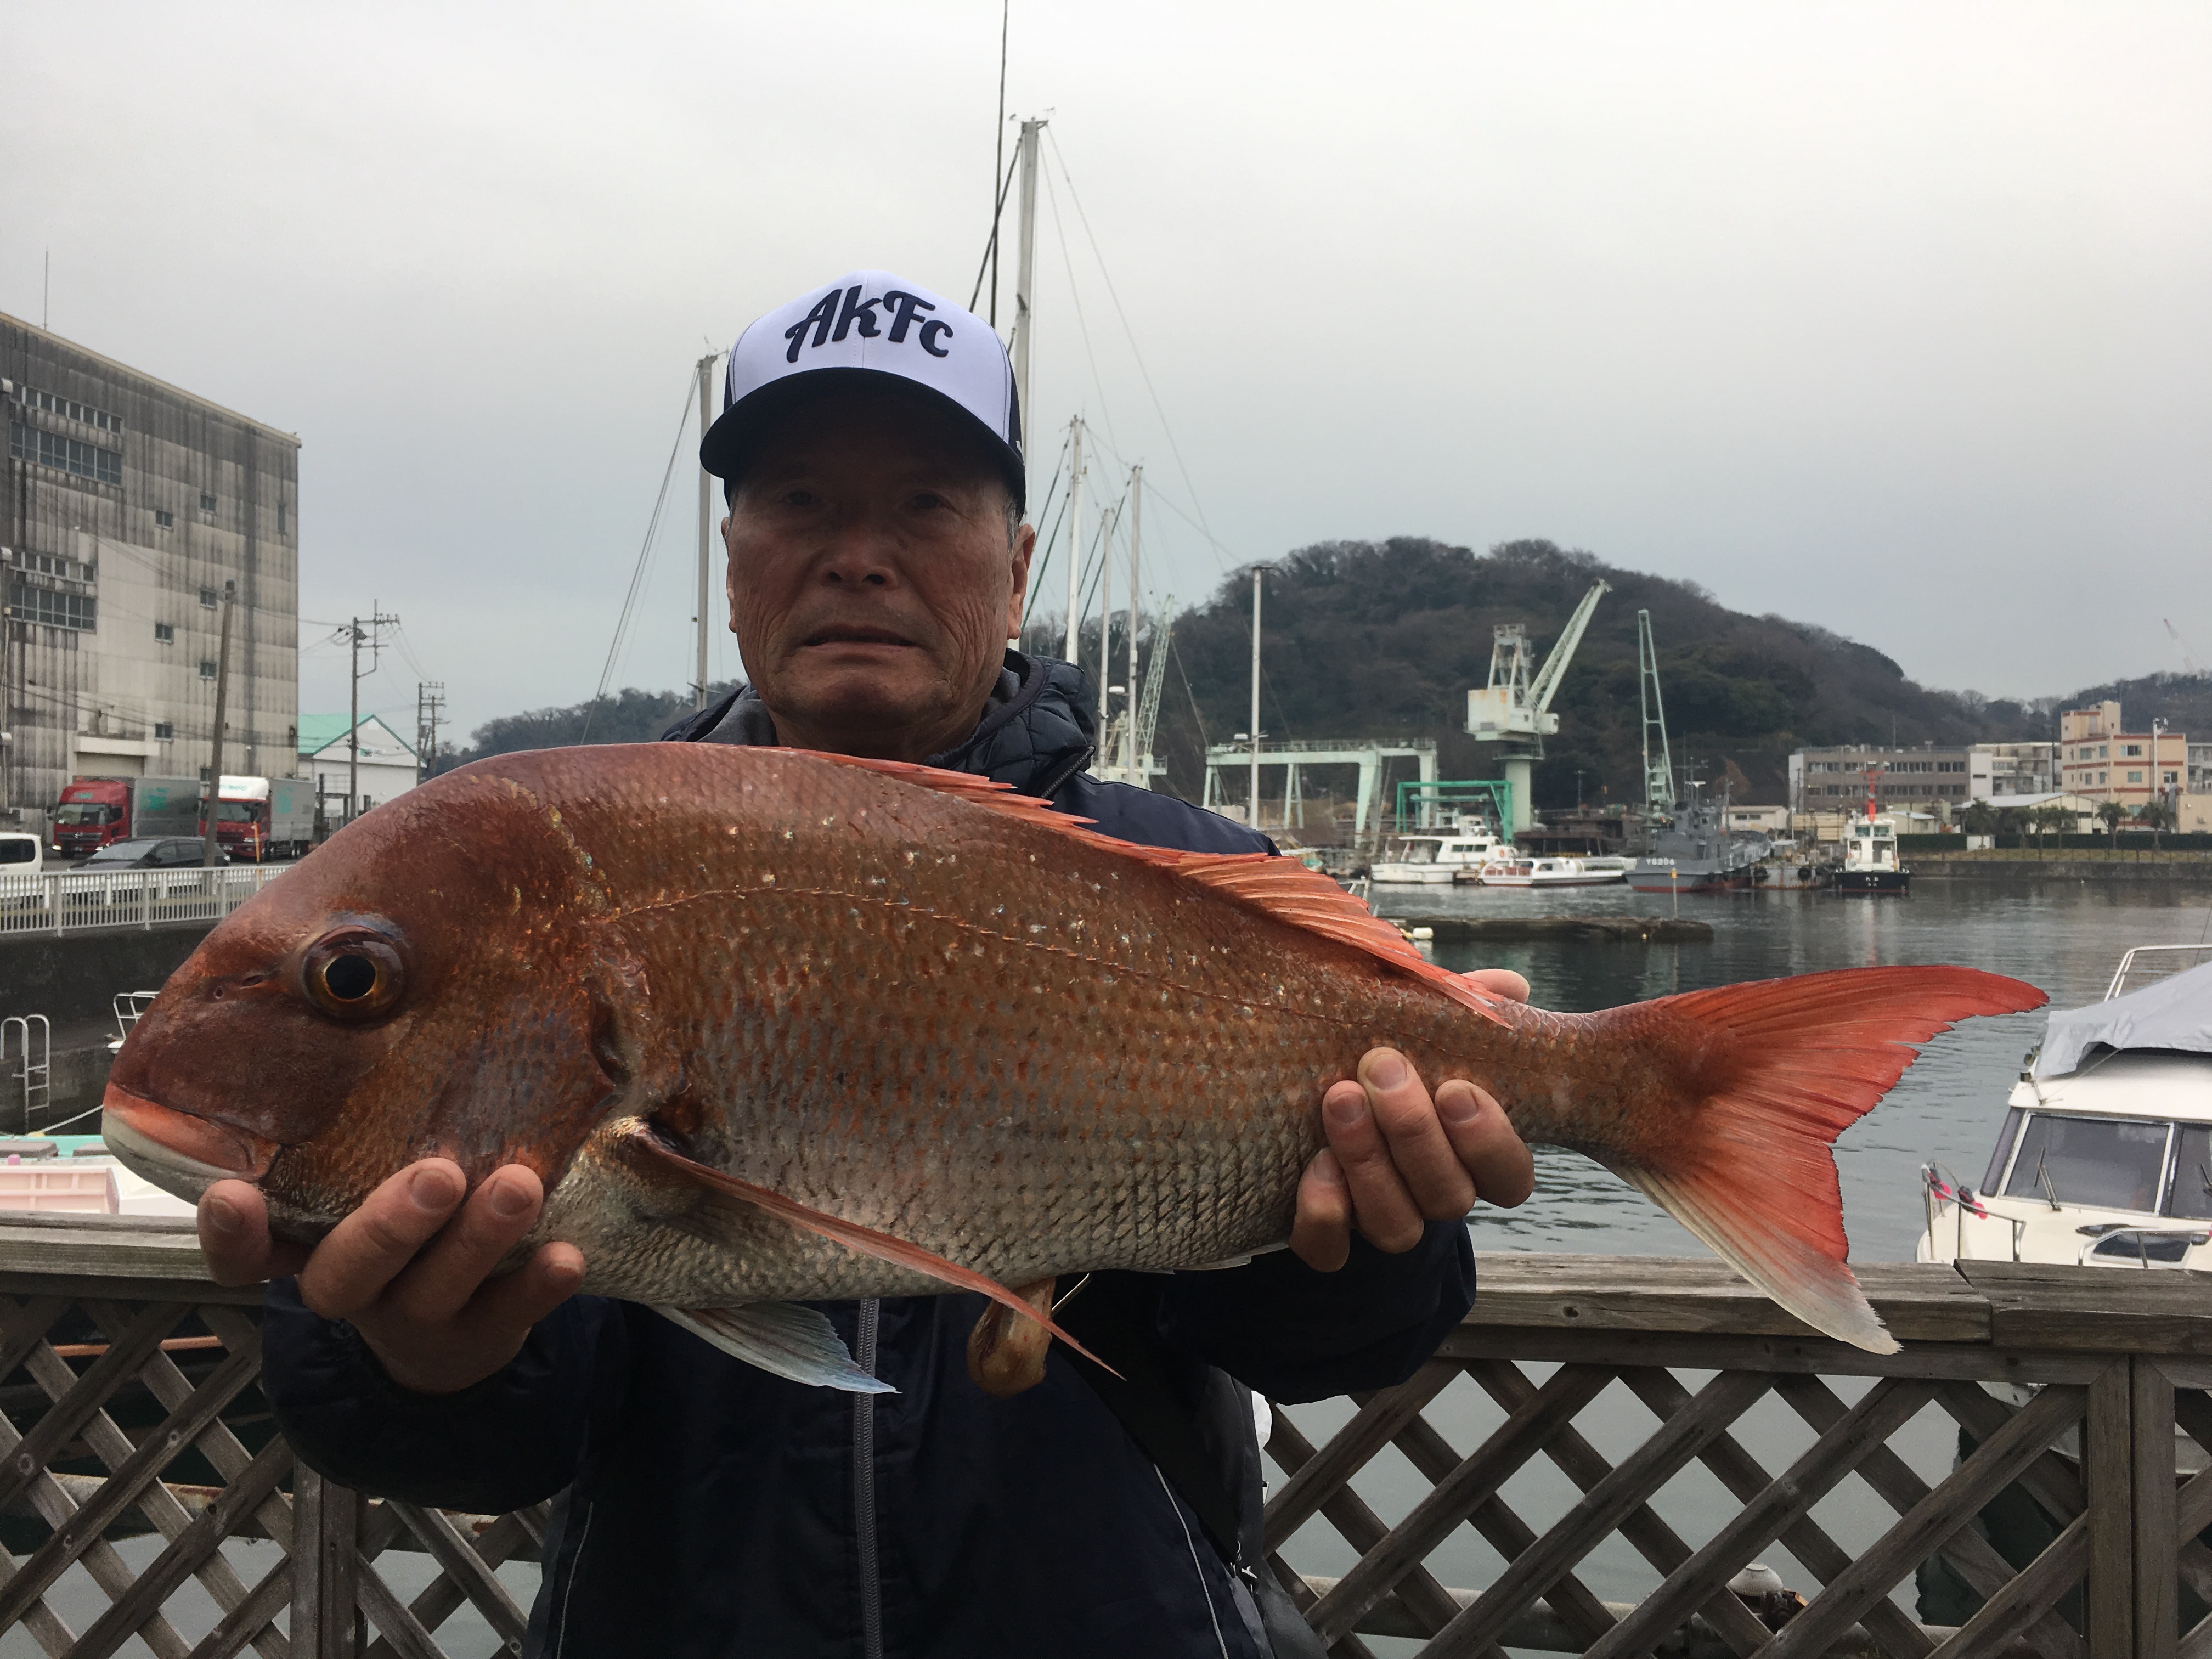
pixel 21 853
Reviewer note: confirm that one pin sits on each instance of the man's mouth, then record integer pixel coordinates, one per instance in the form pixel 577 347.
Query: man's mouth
pixel 843 635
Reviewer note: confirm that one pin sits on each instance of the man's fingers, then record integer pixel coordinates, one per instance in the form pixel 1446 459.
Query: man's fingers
pixel 1489 1148
pixel 1382 1205
pixel 442 1278
pixel 1419 1151
pixel 1500 982
pixel 1321 1237
pixel 234 1227
pixel 518 1300
pixel 370 1248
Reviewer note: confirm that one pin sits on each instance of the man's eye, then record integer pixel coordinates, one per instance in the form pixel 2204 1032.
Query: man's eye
pixel 798 498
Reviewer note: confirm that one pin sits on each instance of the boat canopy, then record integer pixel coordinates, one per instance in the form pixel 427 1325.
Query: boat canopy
pixel 2173 1013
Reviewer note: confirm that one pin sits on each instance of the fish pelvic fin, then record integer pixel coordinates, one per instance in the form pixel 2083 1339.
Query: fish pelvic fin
pixel 866 1241
pixel 1279 888
pixel 781 1338
pixel 1782 1067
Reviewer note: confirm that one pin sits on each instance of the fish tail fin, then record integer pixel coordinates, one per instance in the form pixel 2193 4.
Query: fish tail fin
pixel 1778 1069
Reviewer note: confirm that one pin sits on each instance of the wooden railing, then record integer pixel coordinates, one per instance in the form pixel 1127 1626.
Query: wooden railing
pixel 1587 1465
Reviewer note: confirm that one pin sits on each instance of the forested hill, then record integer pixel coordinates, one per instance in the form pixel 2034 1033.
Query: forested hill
pixel 1367 638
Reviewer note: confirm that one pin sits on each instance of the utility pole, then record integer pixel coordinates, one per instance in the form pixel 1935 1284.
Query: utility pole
pixel 1258 571
pixel 705 512
pixel 1129 687
pixel 211 801
pixel 380 622
pixel 1069 648
pixel 429 704
pixel 1025 268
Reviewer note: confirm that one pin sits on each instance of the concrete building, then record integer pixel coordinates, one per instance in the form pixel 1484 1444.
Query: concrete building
pixel 388 764
pixel 1835 780
pixel 2098 760
pixel 2199 779
pixel 130 503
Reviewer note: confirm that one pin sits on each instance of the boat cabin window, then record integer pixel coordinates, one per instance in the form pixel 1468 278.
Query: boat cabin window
pixel 2006 1136
pixel 2105 1163
pixel 2192 1174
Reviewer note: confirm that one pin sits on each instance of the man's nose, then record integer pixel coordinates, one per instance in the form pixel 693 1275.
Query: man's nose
pixel 857 553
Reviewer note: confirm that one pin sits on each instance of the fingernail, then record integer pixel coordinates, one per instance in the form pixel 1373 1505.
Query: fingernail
pixel 508 1199
pixel 221 1215
pixel 1459 1106
pixel 431 1189
pixel 1385 1070
pixel 1344 1110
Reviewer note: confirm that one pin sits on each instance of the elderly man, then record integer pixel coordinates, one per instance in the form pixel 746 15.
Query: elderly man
pixel 878 563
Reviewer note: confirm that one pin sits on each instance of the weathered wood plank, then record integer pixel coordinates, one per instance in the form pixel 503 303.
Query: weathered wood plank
pixel 1919 1302
pixel 1600 1511
pixel 2108 1476
pixel 2028 1597
pixel 1350 1448
pixel 237 1627
pixel 1815 1356
pixel 2154 1546
pixel 184 1555
pixel 1437 1514
pixel 71 1409
pixel 1950 1506
pixel 2108 1309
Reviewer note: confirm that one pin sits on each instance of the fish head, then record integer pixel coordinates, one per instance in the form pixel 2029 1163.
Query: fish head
pixel 430 982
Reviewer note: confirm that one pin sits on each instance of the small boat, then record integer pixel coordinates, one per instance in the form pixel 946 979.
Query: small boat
pixel 1548 872
pixel 1692 850
pixel 1435 858
pixel 2104 1157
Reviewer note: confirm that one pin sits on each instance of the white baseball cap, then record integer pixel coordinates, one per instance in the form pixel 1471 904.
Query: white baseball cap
pixel 866 327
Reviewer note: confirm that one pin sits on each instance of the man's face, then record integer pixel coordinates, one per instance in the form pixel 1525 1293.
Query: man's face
pixel 873 585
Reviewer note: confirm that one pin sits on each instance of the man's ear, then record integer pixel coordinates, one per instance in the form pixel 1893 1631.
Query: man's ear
pixel 1017 594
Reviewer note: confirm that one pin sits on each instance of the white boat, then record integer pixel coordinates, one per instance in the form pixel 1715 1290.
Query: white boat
pixel 1435 858
pixel 2105 1158
pixel 1549 872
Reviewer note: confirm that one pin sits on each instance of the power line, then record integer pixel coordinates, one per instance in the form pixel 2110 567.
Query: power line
pixel 644 557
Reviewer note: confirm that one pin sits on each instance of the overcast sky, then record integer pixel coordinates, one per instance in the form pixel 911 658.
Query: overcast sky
pixel 1890 318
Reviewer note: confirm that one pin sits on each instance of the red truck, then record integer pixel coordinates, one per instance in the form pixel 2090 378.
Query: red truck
pixel 256 819
pixel 94 811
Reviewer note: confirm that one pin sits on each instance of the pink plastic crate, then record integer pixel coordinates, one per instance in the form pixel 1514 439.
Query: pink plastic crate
pixel 58 1187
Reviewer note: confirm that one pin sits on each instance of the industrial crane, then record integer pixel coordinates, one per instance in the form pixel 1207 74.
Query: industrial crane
pixel 1134 762
pixel 1515 709
pixel 1658 773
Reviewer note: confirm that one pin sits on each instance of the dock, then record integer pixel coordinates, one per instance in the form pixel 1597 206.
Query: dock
pixel 1613 929
pixel 1568 1424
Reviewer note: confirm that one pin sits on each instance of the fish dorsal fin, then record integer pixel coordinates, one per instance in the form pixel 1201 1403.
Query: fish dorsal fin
pixel 1281 888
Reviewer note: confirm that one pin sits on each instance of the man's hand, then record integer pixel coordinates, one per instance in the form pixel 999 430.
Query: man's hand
pixel 1396 1160
pixel 410 1268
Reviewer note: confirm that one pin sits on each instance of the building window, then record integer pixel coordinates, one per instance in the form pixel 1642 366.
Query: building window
pixel 2130 750
pixel 52 607
pixel 163 731
pixel 31 398
pixel 2135 777
pixel 165 633
pixel 207 599
pixel 283 517
pixel 81 460
pixel 207 502
pixel 207 669
pixel 47 564
pixel 163 518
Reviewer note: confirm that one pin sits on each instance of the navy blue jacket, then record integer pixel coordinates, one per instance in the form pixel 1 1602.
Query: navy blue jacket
pixel 713 1510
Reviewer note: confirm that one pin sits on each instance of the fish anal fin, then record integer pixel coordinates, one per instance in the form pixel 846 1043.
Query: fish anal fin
pixel 1006 1355
pixel 867 1240
pixel 781 1338
pixel 1280 887
pixel 1776 1070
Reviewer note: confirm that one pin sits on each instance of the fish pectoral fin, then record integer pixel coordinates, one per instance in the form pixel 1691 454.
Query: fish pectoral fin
pixel 866 1241
pixel 781 1338
pixel 1005 1356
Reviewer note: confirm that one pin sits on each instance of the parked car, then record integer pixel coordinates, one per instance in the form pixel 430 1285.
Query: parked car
pixel 144 853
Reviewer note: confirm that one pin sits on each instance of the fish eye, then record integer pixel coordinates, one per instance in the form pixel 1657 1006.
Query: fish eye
pixel 352 973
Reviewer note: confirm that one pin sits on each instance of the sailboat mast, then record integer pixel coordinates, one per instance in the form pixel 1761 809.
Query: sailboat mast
pixel 1068 649
pixel 706 518
pixel 1129 679
pixel 1024 270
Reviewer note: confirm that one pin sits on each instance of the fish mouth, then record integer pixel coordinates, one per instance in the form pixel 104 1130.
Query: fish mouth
pixel 176 1151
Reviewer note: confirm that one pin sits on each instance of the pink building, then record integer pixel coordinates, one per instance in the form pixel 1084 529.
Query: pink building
pixel 2097 760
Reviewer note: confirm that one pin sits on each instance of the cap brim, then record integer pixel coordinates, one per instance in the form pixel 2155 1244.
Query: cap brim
pixel 749 423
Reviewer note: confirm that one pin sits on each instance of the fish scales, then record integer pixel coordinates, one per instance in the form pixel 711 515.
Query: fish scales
pixel 773 1025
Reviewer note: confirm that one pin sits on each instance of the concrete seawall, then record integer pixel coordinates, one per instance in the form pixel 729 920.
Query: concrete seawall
pixel 2186 868
pixel 74 977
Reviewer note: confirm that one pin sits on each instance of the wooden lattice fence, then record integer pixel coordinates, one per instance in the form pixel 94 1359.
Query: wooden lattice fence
pixel 1587 1465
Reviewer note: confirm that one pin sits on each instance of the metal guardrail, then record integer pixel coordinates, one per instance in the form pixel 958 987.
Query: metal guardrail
pixel 79 900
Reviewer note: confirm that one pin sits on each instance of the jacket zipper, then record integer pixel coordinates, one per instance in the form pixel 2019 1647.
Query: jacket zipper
pixel 864 1489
